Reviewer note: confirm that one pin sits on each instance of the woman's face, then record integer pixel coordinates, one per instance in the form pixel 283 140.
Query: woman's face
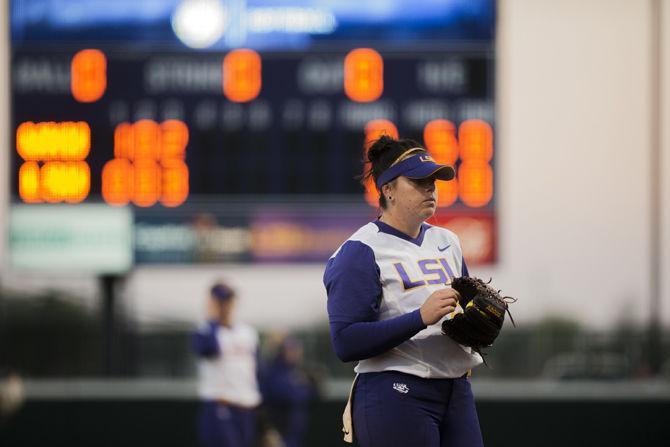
pixel 221 310
pixel 413 197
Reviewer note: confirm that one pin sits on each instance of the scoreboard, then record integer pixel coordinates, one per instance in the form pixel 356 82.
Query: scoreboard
pixel 159 128
pixel 240 138
pixel 165 130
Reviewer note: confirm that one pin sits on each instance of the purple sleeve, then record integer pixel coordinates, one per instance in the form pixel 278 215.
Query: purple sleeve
pixel 354 293
pixel 204 341
pixel 464 270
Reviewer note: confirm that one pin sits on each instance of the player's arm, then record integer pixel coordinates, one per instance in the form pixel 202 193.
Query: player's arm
pixel 365 339
pixel 354 292
pixel 204 341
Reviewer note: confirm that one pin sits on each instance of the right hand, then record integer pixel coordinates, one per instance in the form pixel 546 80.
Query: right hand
pixel 439 304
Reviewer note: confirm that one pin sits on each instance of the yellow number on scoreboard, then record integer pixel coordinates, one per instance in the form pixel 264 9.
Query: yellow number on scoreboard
pixel 54 169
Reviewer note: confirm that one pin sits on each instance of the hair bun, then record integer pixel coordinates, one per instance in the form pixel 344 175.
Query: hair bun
pixel 381 146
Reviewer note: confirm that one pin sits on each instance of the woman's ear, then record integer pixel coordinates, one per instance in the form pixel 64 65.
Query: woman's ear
pixel 388 189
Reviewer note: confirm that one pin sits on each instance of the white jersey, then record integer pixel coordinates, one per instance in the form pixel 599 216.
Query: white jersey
pixel 409 271
pixel 231 375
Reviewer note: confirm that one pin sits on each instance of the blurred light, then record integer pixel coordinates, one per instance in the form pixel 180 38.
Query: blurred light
pixel 124 141
pixel 242 75
pixel 290 20
pixel 447 193
pixel 363 75
pixel 377 128
pixel 148 165
pixel 88 77
pixel 46 141
pixel 62 146
pixel 174 140
pixel 475 179
pixel 29 182
pixel 174 183
pixel 147 140
pixel 117 182
pixel 147 183
pixel 68 181
pixel 475 175
pixel 373 130
pixel 440 138
pixel 476 140
pixel 199 23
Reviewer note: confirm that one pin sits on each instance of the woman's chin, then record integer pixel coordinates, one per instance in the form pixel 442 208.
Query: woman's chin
pixel 428 210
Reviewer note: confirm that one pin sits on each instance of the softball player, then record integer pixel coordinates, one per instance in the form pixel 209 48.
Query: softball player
pixel 387 297
pixel 228 381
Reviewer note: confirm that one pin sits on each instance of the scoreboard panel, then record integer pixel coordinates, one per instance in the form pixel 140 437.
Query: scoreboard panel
pixel 250 150
pixel 237 124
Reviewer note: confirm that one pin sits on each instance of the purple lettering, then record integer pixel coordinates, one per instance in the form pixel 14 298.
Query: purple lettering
pixel 408 283
pixel 447 268
pixel 424 265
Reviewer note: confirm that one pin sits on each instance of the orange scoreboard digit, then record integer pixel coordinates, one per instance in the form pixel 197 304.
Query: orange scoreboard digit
pixel 148 164
pixel 471 151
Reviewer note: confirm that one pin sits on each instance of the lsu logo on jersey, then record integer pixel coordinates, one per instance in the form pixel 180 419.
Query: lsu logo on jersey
pixel 434 271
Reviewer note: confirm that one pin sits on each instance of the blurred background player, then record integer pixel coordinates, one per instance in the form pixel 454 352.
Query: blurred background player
pixel 228 352
pixel 288 390
pixel 386 298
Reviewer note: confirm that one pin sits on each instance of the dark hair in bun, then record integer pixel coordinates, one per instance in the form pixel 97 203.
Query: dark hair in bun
pixel 381 155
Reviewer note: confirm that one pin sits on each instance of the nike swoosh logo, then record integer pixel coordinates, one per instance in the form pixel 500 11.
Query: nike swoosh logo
pixel 442 249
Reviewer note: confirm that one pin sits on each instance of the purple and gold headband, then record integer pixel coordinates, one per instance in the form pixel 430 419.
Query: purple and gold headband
pixel 415 166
